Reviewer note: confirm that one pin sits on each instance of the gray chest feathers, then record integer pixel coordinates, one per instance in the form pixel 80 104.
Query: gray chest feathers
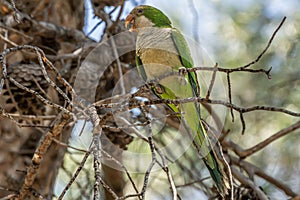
pixel 155 38
pixel 157 51
pixel 155 45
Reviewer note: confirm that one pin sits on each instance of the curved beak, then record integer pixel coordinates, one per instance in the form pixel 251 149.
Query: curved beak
pixel 129 23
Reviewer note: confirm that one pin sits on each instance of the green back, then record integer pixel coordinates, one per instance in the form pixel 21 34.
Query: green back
pixel 156 17
pixel 186 58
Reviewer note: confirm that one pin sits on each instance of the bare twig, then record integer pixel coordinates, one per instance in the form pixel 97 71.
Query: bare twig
pixel 243 122
pixel 233 70
pixel 123 167
pixel 31 117
pixel 15 11
pixel 204 100
pixel 153 155
pixel 228 170
pixel 12 96
pixel 68 146
pixel 266 48
pixel 39 154
pixel 248 152
pixel 62 194
pixel 122 85
pixel 147 173
pixel 213 78
pixel 229 95
pixel 252 169
pixel 114 24
pixel 6 40
pixel 244 180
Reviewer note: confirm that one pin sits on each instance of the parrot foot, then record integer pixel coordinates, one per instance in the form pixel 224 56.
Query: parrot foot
pixel 182 71
pixel 158 89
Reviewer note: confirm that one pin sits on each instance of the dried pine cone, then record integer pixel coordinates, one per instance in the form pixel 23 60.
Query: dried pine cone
pixel 17 100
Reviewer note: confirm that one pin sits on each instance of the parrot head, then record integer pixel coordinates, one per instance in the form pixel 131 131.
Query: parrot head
pixel 146 16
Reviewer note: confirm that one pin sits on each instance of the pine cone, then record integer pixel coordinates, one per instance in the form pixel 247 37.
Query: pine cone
pixel 17 100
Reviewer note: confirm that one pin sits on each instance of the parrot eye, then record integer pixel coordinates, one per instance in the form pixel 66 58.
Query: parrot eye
pixel 140 11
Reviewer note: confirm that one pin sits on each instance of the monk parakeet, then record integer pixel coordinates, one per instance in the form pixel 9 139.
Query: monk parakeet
pixel 160 50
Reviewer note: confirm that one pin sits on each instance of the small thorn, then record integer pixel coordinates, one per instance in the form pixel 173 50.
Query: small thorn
pixel 268 73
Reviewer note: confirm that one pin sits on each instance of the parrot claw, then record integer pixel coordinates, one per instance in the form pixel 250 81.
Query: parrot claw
pixel 182 71
pixel 158 89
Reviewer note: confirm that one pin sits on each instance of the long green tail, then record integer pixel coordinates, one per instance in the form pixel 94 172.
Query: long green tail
pixel 191 116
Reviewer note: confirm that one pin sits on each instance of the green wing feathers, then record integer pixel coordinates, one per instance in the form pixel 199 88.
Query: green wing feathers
pixel 186 58
pixel 182 48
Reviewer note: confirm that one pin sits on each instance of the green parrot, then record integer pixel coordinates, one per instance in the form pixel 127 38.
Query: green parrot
pixel 160 50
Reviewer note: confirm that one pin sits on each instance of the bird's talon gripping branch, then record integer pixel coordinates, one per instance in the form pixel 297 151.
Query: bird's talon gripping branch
pixel 158 89
pixel 182 71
